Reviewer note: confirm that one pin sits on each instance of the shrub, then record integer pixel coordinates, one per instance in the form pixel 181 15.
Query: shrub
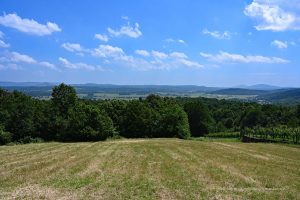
pixel 5 137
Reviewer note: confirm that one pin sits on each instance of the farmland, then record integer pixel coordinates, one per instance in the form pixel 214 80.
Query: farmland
pixel 150 169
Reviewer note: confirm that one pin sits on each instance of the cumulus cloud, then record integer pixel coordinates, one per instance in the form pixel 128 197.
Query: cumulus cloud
pixel 189 63
pixel 150 60
pixel 147 60
pixel 72 47
pixel 107 51
pixel 17 57
pixel 226 35
pixel 12 60
pixel 66 63
pixel 48 65
pixel 224 57
pixel 279 44
pixel 273 15
pixel 126 30
pixel 102 37
pixel 178 55
pixel 142 52
pixel 159 55
pixel 29 26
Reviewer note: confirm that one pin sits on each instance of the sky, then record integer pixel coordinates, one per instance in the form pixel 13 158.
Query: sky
pixel 162 42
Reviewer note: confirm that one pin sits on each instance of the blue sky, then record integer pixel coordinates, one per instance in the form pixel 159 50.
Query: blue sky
pixel 176 42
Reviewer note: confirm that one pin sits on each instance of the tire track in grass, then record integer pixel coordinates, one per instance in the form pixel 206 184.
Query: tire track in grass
pixel 43 155
pixel 30 173
pixel 73 177
pixel 128 175
pixel 93 166
pixel 39 158
pixel 176 176
pixel 222 165
pixel 33 148
pixel 266 177
pixel 239 192
pixel 278 163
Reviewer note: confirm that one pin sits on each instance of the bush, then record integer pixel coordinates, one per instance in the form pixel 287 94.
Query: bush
pixel 224 135
pixel 5 137
pixel 29 139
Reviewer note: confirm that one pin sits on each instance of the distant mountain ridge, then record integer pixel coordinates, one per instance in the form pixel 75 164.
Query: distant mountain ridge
pixel 240 91
pixel 250 87
pixel 282 96
pixel 259 87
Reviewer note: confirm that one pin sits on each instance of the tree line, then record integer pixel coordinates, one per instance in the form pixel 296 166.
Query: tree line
pixel 67 118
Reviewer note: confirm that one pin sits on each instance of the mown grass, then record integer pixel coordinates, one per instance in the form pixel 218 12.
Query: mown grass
pixel 150 169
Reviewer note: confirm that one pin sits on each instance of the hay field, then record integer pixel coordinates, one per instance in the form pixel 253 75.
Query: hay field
pixel 150 169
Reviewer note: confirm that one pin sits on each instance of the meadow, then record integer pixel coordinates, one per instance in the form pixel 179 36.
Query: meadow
pixel 150 169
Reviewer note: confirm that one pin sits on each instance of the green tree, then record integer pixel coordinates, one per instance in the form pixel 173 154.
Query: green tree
pixel 5 137
pixel 137 120
pixel 64 98
pixel 199 118
pixel 253 117
pixel 174 122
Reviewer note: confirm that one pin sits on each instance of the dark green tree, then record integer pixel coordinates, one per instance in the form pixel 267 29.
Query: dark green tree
pixel 253 117
pixel 198 117
pixel 64 98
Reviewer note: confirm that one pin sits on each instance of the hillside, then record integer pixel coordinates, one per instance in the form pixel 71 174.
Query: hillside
pixel 239 91
pixel 259 87
pixel 284 96
pixel 150 169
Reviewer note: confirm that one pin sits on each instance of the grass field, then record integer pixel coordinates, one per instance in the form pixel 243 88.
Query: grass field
pixel 150 169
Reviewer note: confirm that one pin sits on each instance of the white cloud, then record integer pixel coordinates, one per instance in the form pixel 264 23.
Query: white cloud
pixel 127 30
pixel 102 37
pixel 224 57
pixel 29 26
pixel 48 65
pixel 279 44
pixel 159 55
pixel 142 52
pixel 270 15
pixel 164 61
pixel 115 56
pixel 107 51
pixel 3 44
pixel 13 59
pixel 178 55
pixel 11 66
pixel 181 41
pixel 125 17
pixel 226 35
pixel 66 63
pixel 17 57
pixel 72 47
pixel 190 63
pixel 171 40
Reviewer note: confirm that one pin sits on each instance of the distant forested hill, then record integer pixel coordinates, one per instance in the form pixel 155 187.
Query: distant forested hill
pixel 240 91
pixel 284 96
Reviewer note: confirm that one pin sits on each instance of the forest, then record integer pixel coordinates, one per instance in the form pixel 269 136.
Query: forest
pixel 67 118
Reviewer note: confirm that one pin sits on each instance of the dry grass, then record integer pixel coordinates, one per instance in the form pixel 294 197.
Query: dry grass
pixel 150 169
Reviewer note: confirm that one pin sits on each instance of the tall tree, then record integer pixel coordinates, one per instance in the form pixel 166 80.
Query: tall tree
pixel 64 98
pixel 199 118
